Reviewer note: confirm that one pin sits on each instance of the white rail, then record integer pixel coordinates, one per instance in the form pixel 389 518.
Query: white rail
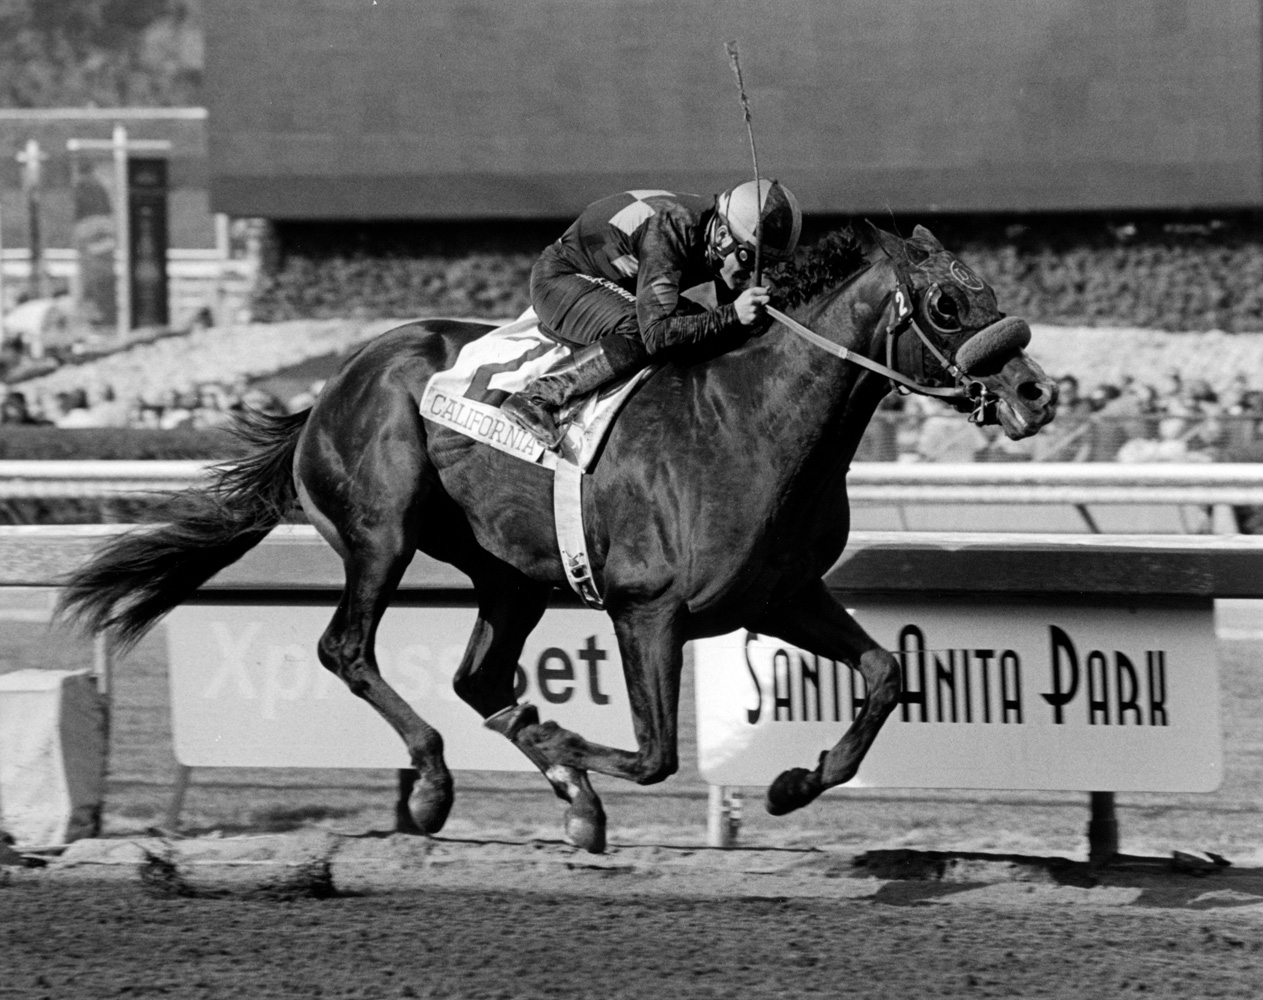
pixel 1057 483
pixel 869 482
pixel 95 478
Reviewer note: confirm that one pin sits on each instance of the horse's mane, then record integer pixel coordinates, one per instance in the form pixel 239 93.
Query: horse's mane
pixel 824 265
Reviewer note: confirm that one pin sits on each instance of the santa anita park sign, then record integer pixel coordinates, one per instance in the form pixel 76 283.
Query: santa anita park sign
pixel 1005 695
pixel 1002 694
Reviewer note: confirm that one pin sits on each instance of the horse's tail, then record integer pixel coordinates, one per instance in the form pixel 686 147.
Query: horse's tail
pixel 136 578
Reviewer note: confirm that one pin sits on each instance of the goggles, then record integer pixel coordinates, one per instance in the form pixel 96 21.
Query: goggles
pixel 731 245
pixel 745 255
pixel 745 252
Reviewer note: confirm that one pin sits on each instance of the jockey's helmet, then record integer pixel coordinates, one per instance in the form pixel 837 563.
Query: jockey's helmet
pixel 736 218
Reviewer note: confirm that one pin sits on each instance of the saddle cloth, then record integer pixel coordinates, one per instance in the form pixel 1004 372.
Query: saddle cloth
pixel 467 396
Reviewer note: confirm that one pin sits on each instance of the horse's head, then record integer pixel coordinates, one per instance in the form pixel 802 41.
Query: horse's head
pixel 944 331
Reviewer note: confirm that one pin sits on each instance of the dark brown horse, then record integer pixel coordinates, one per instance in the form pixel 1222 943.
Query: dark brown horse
pixel 719 503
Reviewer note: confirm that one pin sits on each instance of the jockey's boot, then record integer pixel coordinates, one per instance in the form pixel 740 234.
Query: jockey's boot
pixel 536 407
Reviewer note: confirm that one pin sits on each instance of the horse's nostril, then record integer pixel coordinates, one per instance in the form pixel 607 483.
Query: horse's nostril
pixel 1031 391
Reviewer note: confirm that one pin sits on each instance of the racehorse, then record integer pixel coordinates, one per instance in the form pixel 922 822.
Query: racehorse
pixel 719 503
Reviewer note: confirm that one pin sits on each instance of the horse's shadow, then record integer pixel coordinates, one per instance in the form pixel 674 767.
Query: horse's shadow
pixel 1180 881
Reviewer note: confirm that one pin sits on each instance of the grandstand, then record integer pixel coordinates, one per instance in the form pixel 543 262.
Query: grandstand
pixel 1105 172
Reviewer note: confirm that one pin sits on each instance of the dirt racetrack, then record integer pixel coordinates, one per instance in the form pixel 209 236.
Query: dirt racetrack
pixel 317 915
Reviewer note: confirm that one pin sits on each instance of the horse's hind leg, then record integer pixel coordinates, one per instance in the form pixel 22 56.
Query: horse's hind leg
pixel 816 622
pixel 347 649
pixel 509 606
pixel 365 482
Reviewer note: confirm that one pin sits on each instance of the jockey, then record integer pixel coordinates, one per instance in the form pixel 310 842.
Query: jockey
pixel 612 285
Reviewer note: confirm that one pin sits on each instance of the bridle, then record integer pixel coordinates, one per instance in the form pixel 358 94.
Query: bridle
pixel 899 316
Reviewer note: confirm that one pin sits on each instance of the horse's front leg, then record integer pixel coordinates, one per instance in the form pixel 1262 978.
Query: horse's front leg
pixel 651 646
pixel 815 621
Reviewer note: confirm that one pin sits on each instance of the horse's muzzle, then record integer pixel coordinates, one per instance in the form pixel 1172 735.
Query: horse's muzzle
pixel 1034 406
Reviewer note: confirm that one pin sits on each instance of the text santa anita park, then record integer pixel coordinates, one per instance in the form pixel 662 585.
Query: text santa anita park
pixel 967 685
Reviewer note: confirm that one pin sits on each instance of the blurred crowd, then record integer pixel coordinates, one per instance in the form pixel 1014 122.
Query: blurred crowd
pixel 191 380
pixel 1177 420
pixel 209 405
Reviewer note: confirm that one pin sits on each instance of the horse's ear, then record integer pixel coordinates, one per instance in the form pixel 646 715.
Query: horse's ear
pixel 927 239
pixel 872 239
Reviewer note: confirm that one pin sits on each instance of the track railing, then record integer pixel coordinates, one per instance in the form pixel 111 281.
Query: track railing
pixel 89 479
pixel 869 482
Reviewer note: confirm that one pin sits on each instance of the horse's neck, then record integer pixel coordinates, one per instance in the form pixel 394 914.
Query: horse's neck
pixel 828 400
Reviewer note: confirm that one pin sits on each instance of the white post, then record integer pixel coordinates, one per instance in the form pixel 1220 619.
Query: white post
pixel 122 222
pixel 223 247
pixel 183 775
pixel 103 671
pixel 32 160
pixel 103 664
pixel 1223 519
pixel 222 238
pixel 2 303
pixel 723 816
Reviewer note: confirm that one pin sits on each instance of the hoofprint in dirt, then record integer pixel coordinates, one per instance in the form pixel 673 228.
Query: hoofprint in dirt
pixel 262 917
pixel 319 864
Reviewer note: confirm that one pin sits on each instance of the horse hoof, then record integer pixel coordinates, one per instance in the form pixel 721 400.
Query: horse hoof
pixel 429 804
pixel 404 823
pixel 586 830
pixel 792 790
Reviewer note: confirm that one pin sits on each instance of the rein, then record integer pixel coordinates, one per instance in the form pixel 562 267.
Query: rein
pixel 837 350
pixel 1004 335
pixel 897 318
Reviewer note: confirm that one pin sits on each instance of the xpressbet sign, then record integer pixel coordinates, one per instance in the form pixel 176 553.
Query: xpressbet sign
pixel 1007 695
pixel 247 689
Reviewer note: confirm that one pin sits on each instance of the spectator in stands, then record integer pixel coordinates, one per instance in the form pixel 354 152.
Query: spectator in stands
pixel 1131 416
pixel 1102 395
pixel 177 410
pixel 1201 397
pixel 214 408
pixel 305 400
pixel 264 402
pixel 946 437
pixel 73 409
pixel 1071 402
pixel 1172 444
pixel 108 410
pixel 1251 404
pixel 880 442
pixel 99 409
pixel 1204 430
pixel 14 410
pixel 1243 421
pixel 1171 386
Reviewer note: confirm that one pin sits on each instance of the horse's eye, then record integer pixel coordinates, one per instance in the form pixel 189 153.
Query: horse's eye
pixel 942 312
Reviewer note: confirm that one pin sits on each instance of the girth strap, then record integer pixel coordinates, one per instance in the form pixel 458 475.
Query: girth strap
pixel 571 543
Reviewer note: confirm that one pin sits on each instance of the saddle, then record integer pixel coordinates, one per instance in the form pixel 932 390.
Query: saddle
pixel 467 396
